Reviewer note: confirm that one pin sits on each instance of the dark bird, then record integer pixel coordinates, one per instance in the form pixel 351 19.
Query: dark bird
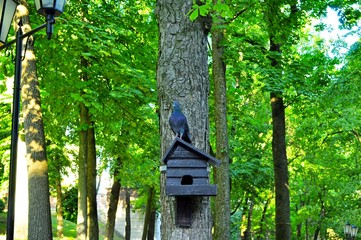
pixel 179 124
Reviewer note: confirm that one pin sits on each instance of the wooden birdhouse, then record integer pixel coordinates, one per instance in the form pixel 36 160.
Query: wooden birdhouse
pixel 187 175
pixel 187 172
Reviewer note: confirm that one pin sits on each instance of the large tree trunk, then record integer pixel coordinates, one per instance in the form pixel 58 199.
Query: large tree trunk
pixel 113 206
pixel 82 174
pixel 182 74
pixel 39 225
pixel 93 228
pixel 280 162
pixel 222 210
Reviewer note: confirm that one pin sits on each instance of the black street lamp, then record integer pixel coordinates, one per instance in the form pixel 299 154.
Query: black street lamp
pixel 350 231
pixel 50 9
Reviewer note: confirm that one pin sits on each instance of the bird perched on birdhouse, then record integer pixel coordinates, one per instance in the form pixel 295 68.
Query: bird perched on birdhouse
pixel 178 123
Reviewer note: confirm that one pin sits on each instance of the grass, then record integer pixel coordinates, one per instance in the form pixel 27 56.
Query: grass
pixel 69 228
pixel 3 221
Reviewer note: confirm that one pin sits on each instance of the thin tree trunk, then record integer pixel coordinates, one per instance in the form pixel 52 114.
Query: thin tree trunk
pixel 93 227
pixel 221 174
pixel 247 233
pixel 263 218
pixel 148 213
pixel 151 227
pixel 299 226
pixel 280 162
pixel 127 214
pixel 59 208
pixel 39 225
pixel 113 206
pixel 182 74
pixel 283 225
pixel 82 174
pixel 84 124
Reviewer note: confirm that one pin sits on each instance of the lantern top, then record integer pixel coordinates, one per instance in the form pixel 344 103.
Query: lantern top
pixel 50 7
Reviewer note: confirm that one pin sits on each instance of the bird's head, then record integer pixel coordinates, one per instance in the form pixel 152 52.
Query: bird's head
pixel 176 106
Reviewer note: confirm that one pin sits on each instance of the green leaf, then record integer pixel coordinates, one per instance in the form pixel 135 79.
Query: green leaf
pixel 194 13
pixel 204 10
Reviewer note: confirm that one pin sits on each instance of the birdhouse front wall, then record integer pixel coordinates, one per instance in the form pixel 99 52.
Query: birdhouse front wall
pixel 180 169
pixel 187 174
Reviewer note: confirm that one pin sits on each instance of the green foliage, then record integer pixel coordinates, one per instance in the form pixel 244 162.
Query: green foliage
pixel 321 112
pixel 2 206
pixel 206 8
pixel 104 53
pixel 70 204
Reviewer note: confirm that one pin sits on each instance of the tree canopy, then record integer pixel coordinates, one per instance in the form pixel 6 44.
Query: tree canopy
pixel 319 80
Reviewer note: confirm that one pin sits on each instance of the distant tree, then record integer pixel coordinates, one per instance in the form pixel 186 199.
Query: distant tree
pixel 222 214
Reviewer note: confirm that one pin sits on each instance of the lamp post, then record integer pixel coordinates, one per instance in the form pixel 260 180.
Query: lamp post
pixel 50 9
pixel 350 231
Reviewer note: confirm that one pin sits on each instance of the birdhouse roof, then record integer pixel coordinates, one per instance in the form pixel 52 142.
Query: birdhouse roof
pixel 179 142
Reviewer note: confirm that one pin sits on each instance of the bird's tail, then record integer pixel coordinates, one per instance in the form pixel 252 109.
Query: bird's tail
pixel 186 138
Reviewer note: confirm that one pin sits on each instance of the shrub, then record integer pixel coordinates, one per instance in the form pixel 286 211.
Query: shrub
pixel 2 206
pixel 70 204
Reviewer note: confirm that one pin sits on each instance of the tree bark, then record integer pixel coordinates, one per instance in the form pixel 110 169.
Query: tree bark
pixel 280 162
pixel 113 206
pixel 82 175
pixel 151 227
pixel 148 210
pixel 222 212
pixel 248 231
pixel 39 225
pixel 182 74
pixel 262 223
pixel 280 169
pixel 59 208
pixel 93 227
pixel 127 214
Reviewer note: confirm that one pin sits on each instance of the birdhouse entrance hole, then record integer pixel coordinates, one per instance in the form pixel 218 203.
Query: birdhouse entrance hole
pixel 187 180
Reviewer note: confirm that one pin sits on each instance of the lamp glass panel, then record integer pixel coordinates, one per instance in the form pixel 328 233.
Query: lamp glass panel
pixel 7 11
pixel 60 5
pixel 347 228
pixel 37 4
pixel 53 7
pixel 47 3
pixel 354 230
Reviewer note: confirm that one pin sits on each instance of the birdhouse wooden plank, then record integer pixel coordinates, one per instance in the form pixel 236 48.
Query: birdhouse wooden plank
pixel 183 216
pixel 187 170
